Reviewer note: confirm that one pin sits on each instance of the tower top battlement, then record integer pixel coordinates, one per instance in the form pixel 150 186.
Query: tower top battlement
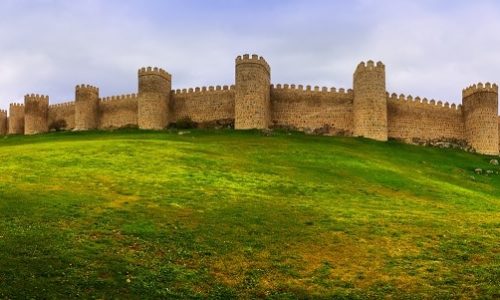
pixel 32 98
pixel 87 87
pixel 478 88
pixel 253 59
pixel 154 71
pixel 370 65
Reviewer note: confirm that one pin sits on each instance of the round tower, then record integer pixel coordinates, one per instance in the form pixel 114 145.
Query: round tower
pixel 253 93
pixel 370 101
pixel 36 108
pixel 16 118
pixel 480 113
pixel 155 86
pixel 86 107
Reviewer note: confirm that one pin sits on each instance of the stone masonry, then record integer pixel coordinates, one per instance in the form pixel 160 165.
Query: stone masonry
pixel 36 114
pixel 367 110
pixel 252 102
pixel 15 122
pixel 154 98
pixel 480 112
pixel 86 107
pixel 370 101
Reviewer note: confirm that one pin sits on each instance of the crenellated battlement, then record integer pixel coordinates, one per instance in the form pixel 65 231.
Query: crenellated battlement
pixel 119 98
pixel 253 59
pixel 370 66
pixel 31 98
pixel 423 101
pixel 147 71
pixel 87 87
pixel 205 89
pixel 3 112
pixel 16 105
pixel 308 88
pixel 479 88
pixel 63 104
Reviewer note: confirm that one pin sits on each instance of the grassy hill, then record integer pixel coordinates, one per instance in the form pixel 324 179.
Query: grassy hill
pixel 225 214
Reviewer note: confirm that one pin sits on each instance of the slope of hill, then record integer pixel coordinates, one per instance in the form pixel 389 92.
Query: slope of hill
pixel 225 214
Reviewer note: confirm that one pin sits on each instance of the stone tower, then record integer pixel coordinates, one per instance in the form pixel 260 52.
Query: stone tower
pixel 3 122
pixel 370 101
pixel 155 86
pixel 16 118
pixel 86 107
pixel 480 113
pixel 253 93
pixel 36 109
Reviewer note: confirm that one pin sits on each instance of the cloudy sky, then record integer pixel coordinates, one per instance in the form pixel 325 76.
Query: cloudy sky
pixel 431 48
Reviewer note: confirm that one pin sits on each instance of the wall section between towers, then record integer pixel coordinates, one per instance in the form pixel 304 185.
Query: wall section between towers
pixel 415 119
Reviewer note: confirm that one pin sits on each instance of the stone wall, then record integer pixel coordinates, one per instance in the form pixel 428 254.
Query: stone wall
pixel 118 111
pixel 419 119
pixel 203 104
pixel 62 112
pixel 312 109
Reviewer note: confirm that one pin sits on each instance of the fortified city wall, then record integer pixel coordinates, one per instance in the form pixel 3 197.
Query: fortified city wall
pixel 203 104
pixel 312 108
pixel 366 110
pixel 415 118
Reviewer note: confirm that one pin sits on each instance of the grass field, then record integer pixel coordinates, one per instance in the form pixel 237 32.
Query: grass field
pixel 226 214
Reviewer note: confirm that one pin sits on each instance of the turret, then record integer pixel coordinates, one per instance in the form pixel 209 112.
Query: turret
pixel 36 108
pixel 16 118
pixel 155 86
pixel 480 113
pixel 253 93
pixel 3 122
pixel 86 107
pixel 370 101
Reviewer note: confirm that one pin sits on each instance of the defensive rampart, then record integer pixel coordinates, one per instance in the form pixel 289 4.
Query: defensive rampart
pixel 366 110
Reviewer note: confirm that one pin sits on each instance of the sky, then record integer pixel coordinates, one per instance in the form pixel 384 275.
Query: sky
pixel 431 48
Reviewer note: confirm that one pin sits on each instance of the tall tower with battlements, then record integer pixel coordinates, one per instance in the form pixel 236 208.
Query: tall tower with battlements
pixel 36 111
pixel 86 107
pixel 480 113
pixel 16 118
pixel 370 101
pixel 155 86
pixel 253 93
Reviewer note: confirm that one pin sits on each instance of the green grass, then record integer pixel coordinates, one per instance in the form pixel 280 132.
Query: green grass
pixel 226 214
